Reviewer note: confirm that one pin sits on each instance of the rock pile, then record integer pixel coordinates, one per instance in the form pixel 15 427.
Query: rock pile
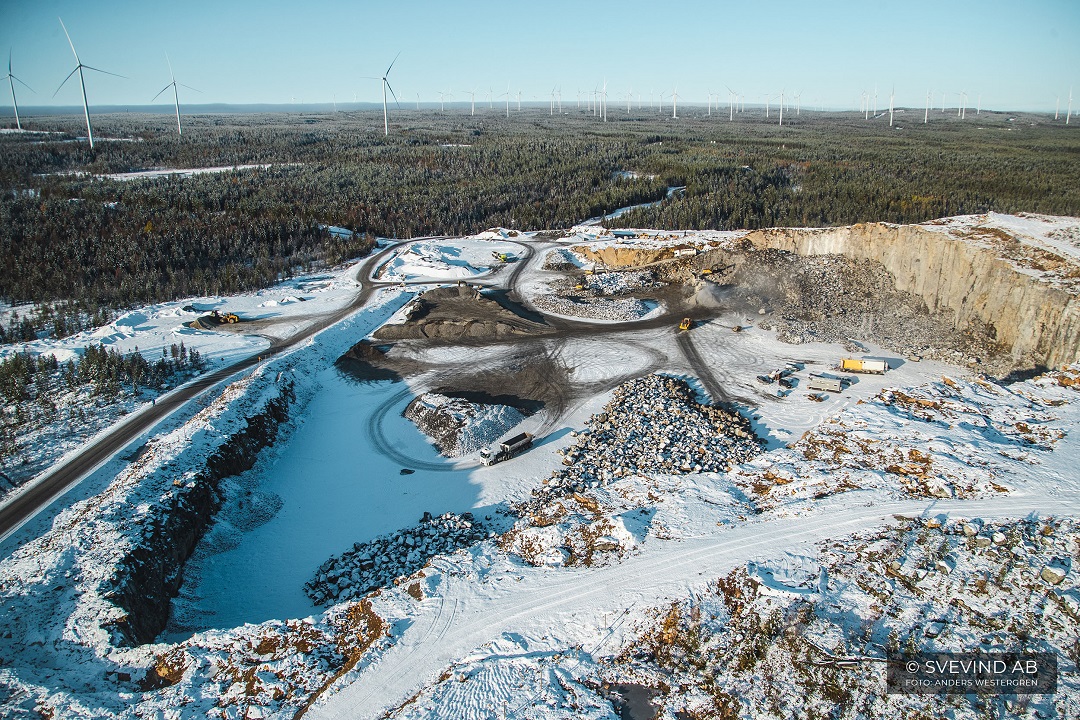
pixel 654 424
pixel 375 564
pixel 458 427
pixel 627 309
pixel 620 283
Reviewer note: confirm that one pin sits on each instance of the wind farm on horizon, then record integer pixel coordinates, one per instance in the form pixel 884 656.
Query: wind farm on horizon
pixel 596 100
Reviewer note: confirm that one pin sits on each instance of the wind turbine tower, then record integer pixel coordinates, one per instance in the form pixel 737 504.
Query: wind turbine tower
pixel 11 84
pixel 82 83
pixel 385 86
pixel 176 97
pixel 926 115
pixel 674 102
pixel 1068 111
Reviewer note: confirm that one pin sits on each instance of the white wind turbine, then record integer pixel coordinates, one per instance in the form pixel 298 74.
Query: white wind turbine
pixel 385 87
pixel 926 114
pixel 892 94
pixel 1068 110
pixel 472 100
pixel 732 99
pixel 629 98
pixel 176 97
pixel 781 108
pixel 82 83
pixel 1057 107
pixel 11 84
pixel 519 100
pixel 674 102
pixel 507 96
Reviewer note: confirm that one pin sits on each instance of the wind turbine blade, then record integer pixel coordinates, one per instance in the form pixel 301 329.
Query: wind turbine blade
pixel 161 91
pixel 68 36
pixel 65 80
pixel 392 64
pixel 23 84
pixel 171 75
pixel 189 87
pixel 106 72
pixel 392 92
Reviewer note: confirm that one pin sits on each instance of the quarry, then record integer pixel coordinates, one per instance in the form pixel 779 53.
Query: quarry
pixel 327 522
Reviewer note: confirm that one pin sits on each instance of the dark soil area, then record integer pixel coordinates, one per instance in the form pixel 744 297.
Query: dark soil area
pixel 464 313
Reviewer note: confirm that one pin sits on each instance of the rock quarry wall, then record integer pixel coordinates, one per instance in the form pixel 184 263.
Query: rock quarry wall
pixel 150 574
pixel 1037 321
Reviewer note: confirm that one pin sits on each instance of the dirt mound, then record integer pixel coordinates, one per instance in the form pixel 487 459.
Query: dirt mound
pixel 365 361
pixel 463 312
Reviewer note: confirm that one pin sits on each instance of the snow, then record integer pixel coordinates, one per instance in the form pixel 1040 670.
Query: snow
pixel 182 173
pixel 450 259
pixel 484 631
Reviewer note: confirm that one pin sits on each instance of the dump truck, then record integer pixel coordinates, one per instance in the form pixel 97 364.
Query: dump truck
pixel 826 383
pixel 506 449
pixel 864 366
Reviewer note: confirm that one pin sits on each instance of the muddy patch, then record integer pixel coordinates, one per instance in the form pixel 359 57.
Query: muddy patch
pixel 368 362
pixel 465 313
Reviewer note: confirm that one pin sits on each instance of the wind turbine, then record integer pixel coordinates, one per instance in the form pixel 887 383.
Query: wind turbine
pixel 1057 106
pixel 507 96
pixel 674 102
pixel 176 97
pixel 926 114
pixel 11 84
pixel 781 108
pixel 82 83
pixel 1068 111
pixel 385 86
pixel 472 96
pixel 892 93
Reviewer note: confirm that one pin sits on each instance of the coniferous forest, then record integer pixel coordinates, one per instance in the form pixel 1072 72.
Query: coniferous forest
pixel 82 245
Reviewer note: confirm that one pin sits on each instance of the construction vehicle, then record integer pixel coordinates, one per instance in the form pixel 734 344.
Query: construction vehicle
pixel 686 324
pixel 878 367
pixel 228 317
pixel 506 449
pixel 736 328
pixel 502 257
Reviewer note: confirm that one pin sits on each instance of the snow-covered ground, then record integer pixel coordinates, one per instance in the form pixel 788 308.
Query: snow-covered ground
pixel 479 631
pixel 450 259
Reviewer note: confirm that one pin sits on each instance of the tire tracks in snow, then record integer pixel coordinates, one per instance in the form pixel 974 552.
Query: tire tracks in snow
pixel 423 651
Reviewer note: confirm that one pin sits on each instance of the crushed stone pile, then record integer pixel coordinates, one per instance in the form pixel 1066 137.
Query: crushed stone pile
pixel 458 427
pixel 562 259
pixel 627 309
pixel 620 283
pixel 376 564
pixel 654 424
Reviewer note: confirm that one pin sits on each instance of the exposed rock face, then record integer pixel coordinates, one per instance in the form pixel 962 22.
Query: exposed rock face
pixel 980 277
pixel 1038 321
pixel 149 576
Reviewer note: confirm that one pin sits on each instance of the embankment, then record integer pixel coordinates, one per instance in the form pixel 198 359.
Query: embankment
pixel 149 574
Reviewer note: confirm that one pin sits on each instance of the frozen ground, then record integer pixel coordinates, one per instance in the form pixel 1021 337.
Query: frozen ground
pixel 479 631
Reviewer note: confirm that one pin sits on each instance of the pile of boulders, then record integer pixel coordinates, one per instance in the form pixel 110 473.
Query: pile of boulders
pixel 626 309
pixel 376 564
pixel 458 427
pixel 619 283
pixel 654 424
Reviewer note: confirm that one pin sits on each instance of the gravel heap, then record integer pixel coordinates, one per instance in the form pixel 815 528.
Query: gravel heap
pixel 376 564
pixel 830 298
pixel 620 283
pixel 627 309
pixel 654 424
pixel 562 259
pixel 459 427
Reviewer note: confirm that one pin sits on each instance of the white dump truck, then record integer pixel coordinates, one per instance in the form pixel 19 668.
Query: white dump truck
pixel 506 449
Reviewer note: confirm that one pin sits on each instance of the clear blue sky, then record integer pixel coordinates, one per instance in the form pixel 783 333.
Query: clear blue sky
pixel 1015 54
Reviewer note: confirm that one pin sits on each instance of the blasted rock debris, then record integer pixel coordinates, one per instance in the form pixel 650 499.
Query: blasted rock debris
pixel 622 310
pixel 654 424
pixel 376 564
pixel 459 427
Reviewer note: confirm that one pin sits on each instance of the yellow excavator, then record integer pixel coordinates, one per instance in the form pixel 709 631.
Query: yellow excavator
pixel 686 324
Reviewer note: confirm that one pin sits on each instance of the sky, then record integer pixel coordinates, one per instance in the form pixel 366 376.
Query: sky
pixel 1013 55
